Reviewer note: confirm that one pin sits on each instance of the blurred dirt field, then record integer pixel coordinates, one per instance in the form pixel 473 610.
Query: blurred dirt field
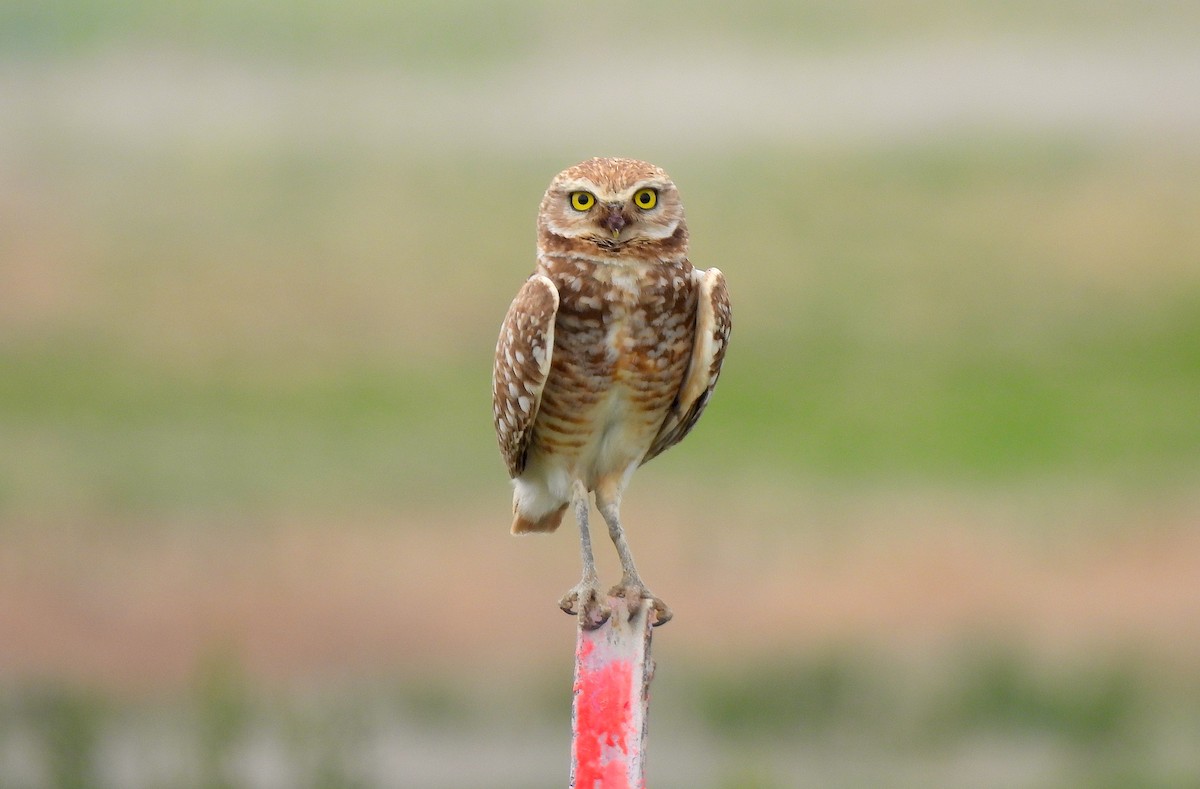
pixel 140 610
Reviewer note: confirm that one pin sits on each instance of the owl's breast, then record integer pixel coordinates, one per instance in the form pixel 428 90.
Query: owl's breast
pixel 622 344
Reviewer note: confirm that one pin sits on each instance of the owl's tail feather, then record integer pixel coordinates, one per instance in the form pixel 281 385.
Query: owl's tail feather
pixel 547 523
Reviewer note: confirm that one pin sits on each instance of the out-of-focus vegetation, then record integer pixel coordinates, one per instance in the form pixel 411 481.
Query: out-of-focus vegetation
pixel 458 34
pixel 840 718
pixel 213 330
pixel 287 334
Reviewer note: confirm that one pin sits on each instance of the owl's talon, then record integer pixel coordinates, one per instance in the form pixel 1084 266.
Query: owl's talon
pixel 632 590
pixel 584 601
pixel 662 614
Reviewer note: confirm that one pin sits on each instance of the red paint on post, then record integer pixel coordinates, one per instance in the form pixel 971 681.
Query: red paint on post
pixel 603 722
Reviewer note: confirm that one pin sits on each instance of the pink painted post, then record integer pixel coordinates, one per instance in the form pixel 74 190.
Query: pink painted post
pixel 613 670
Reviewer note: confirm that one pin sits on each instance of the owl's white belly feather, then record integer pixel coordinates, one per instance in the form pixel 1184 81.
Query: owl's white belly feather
pixel 607 437
pixel 612 447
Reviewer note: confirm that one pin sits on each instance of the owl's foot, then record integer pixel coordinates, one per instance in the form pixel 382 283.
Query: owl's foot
pixel 634 590
pixel 584 601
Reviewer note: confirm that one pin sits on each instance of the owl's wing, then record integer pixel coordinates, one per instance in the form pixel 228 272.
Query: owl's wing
pixel 522 363
pixel 713 324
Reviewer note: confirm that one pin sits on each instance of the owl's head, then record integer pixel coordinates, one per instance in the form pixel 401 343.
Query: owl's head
pixel 608 206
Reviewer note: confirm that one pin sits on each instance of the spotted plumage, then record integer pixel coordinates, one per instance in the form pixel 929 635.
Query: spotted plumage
pixel 608 354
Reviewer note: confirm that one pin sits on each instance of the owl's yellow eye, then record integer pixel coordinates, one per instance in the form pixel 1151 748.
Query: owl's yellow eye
pixel 582 201
pixel 645 199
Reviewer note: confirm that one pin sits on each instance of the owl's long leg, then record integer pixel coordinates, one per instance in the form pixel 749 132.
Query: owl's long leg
pixel 631 587
pixel 584 598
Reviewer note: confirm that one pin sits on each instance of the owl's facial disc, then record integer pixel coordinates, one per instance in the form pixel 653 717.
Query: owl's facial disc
pixel 612 216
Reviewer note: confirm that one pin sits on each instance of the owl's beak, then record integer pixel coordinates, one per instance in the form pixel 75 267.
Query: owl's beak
pixel 614 222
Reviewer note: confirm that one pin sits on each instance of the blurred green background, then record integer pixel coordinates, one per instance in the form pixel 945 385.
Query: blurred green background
pixel 940 526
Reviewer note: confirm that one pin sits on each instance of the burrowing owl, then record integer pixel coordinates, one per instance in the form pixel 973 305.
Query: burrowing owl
pixel 606 358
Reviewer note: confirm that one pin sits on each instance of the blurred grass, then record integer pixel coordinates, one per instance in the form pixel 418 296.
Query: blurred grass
pixel 840 691
pixel 100 433
pixel 66 724
pixel 1083 723
pixel 474 34
pixel 317 329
